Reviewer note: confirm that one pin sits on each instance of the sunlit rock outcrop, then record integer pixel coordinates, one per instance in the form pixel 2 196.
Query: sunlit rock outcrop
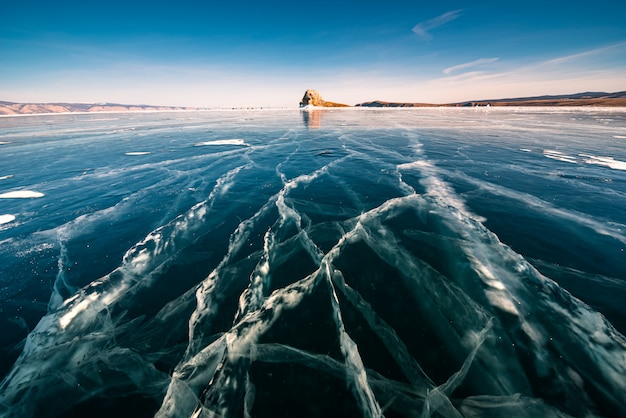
pixel 314 98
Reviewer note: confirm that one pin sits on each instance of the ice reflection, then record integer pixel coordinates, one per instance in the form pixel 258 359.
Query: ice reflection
pixel 312 118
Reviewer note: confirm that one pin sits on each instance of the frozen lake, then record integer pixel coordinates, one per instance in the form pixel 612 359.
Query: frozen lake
pixel 349 262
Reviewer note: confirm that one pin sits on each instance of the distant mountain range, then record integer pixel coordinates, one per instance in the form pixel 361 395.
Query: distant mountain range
pixel 578 99
pixel 10 108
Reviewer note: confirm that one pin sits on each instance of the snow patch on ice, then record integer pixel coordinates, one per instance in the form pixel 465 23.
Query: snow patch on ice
pixel 605 161
pixel 5 219
pixel 559 156
pixel 235 141
pixel 21 194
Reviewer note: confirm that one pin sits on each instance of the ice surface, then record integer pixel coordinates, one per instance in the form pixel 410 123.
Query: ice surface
pixel 362 282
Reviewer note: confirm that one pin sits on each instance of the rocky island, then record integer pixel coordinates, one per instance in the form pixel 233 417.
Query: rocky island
pixel 313 98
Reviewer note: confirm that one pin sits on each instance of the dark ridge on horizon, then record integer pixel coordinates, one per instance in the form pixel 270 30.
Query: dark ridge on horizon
pixel 617 99
pixel 585 95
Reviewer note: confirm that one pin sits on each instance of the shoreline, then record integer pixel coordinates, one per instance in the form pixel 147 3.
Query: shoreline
pixel 553 109
pixel 129 112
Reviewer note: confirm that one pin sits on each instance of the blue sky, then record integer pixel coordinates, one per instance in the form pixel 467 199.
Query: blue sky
pixel 251 53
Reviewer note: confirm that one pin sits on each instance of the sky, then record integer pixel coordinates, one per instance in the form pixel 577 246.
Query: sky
pixel 244 53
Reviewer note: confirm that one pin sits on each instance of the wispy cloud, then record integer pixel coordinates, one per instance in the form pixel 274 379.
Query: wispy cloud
pixel 423 29
pixel 475 63
pixel 596 69
pixel 585 54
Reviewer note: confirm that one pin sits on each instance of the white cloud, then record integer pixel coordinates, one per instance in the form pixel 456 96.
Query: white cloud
pixel 470 64
pixel 422 29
